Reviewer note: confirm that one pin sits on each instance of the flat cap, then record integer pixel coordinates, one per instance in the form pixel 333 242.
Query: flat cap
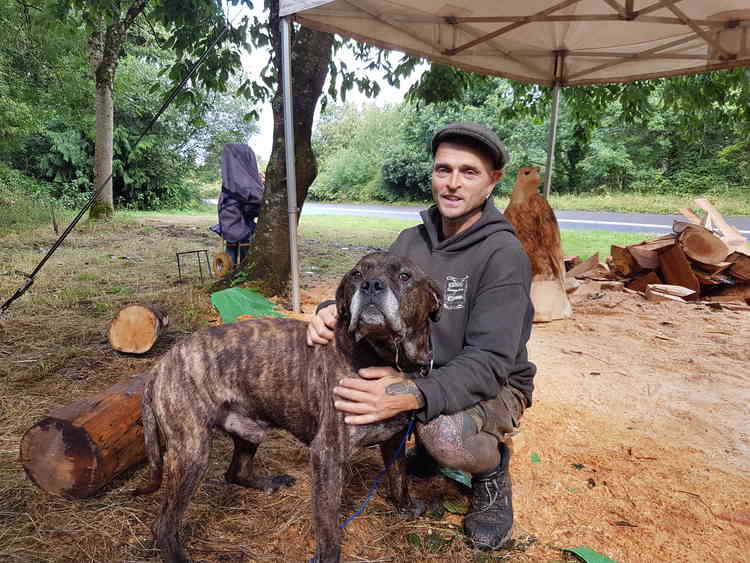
pixel 483 135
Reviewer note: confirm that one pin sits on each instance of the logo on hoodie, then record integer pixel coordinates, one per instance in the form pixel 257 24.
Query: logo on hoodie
pixel 455 292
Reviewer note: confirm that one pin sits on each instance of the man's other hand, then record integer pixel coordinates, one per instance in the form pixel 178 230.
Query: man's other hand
pixel 321 326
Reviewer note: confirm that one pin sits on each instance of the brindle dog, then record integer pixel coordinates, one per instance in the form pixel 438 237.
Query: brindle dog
pixel 247 377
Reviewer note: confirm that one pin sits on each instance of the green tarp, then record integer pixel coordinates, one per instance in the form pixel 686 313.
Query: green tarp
pixel 236 301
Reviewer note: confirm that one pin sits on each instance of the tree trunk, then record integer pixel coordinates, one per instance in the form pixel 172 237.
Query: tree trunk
pixel 104 56
pixel 268 259
pixel 75 450
pixel 103 206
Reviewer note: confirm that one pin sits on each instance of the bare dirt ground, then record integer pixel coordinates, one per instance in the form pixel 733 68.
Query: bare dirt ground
pixel 638 444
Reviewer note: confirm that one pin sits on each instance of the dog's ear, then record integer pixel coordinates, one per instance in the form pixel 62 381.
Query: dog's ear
pixel 437 300
pixel 343 300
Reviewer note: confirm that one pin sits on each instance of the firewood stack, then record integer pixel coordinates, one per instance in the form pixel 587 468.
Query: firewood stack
pixel 703 259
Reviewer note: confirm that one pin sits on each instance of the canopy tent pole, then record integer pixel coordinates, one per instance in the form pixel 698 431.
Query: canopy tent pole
pixel 552 140
pixel 291 172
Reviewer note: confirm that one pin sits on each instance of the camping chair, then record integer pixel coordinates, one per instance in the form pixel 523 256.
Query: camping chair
pixel 239 205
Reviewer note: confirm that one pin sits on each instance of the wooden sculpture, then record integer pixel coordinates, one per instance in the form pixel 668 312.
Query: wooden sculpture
pixel 537 229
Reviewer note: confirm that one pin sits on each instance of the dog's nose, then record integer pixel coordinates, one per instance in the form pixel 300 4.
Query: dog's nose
pixel 371 288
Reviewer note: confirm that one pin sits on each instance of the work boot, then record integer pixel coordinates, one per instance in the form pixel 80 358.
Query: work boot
pixel 489 522
pixel 419 463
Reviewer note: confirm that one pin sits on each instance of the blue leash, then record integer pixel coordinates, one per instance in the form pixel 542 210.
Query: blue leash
pixel 376 482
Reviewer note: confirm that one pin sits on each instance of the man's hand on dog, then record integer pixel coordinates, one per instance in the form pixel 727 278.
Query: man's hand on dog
pixel 382 393
pixel 321 326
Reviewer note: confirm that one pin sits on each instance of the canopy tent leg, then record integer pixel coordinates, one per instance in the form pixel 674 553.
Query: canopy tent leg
pixel 291 172
pixel 552 140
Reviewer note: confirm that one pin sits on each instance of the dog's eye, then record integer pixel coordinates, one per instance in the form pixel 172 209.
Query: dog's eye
pixel 356 274
pixel 404 276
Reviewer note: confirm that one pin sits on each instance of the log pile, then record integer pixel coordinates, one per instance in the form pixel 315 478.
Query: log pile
pixel 702 259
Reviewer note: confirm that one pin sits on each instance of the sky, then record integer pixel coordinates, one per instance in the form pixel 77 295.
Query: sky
pixel 253 63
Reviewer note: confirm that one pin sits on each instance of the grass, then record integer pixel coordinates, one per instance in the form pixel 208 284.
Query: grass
pixel 375 232
pixel 735 203
pixel 53 351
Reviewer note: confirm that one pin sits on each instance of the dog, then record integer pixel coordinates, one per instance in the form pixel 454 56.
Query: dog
pixel 248 377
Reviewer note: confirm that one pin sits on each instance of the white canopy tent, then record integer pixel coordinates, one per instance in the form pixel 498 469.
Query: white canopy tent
pixel 549 42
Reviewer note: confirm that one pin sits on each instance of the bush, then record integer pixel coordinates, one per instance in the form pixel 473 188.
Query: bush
pixel 406 174
pixel 347 175
pixel 25 202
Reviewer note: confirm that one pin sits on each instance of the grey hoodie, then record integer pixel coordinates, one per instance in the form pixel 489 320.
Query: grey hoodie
pixel 479 343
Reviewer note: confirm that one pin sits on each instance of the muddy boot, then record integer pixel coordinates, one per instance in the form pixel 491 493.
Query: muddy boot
pixel 489 522
pixel 419 463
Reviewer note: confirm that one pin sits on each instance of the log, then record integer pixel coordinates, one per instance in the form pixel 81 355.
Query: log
pixel 729 235
pixel 646 253
pixel 571 262
pixel 690 216
pixel 667 292
pixel 739 292
pixel 537 229
pixel 640 284
pixel 76 450
pixel 703 246
pixel 676 269
pixel 623 263
pixel 740 267
pixel 135 328
pixel 591 269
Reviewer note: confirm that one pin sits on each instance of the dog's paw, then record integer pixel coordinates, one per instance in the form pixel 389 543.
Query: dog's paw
pixel 417 507
pixel 279 481
pixel 268 485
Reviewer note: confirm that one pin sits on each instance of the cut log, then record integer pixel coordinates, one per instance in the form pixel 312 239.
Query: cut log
pixel 537 229
pixel 591 269
pixel 740 267
pixel 711 269
pixel 76 450
pixel 739 292
pixel 135 328
pixel 571 261
pixel 703 246
pixel 640 284
pixel 690 216
pixel 671 289
pixel 676 269
pixel 706 278
pixel 729 235
pixel 666 292
pixel 623 263
pixel 646 253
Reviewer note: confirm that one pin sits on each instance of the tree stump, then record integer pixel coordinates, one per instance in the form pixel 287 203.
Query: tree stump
pixel 135 328
pixel 537 229
pixel 75 450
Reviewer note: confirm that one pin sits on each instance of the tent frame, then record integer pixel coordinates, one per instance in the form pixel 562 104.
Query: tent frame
pixel 697 31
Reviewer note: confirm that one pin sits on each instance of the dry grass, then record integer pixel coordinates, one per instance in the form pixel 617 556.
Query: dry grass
pixel 637 445
pixel 53 350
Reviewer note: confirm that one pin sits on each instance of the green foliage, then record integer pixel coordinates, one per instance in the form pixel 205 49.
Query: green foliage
pixel 611 139
pixel 406 174
pixel 350 144
pixel 25 202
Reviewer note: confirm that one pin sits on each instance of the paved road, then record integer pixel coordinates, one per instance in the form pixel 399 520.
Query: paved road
pixel 599 220
pixel 594 220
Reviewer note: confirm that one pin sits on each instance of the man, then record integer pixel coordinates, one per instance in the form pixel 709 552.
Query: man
pixel 481 381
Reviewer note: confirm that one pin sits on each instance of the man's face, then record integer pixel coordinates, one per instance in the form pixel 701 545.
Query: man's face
pixel 462 179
